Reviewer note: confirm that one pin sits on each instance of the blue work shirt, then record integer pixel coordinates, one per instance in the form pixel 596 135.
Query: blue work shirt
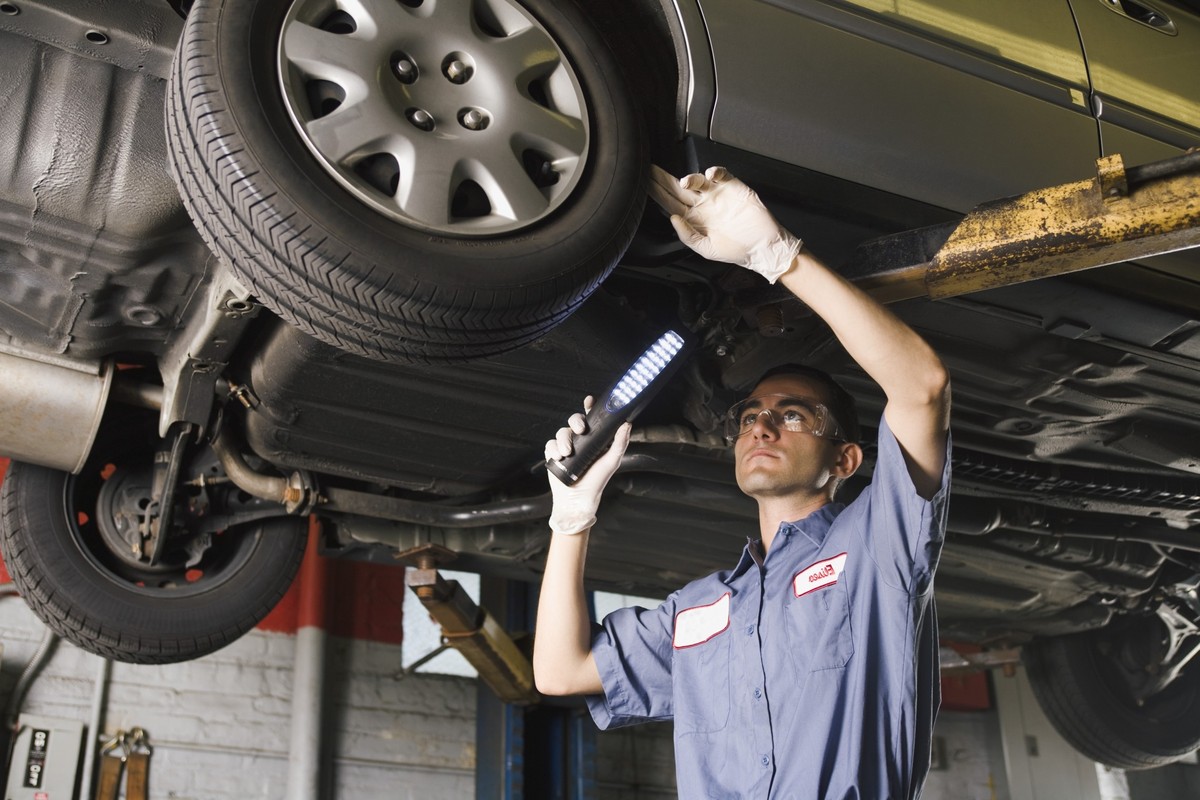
pixel 809 673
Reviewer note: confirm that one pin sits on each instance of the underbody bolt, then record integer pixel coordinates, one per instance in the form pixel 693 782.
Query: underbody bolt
pixel 420 118
pixel 770 320
pixel 405 69
pixel 473 119
pixel 457 71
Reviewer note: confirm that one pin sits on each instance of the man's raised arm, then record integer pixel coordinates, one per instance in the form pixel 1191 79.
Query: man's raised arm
pixel 722 219
pixel 562 657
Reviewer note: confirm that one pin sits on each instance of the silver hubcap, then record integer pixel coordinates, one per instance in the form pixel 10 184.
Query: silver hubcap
pixel 453 116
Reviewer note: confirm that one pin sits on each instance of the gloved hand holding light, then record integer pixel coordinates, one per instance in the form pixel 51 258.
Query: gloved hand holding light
pixel 622 402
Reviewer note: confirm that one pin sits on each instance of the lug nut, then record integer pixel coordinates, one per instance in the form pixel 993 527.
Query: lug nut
pixel 473 119
pixel 405 69
pixel 420 118
pixel 457 71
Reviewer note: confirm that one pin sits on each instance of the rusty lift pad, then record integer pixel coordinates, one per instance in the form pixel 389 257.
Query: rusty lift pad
pixel 1120 215
pixel 468 628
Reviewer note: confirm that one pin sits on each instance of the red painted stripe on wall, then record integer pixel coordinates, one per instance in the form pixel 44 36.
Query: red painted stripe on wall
pixel 358 600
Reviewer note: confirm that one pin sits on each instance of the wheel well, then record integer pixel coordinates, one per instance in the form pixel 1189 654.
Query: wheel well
pixel 648 41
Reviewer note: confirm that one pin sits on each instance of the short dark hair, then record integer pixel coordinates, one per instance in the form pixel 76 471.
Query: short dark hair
pixel 841 403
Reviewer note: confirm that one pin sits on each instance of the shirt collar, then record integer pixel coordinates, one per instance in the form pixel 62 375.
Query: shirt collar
pixel 751 555
pixel 814 527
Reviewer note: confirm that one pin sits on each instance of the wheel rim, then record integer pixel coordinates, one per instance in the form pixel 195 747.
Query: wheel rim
pixel 450 116
pixel 181 574
pixel 1172 702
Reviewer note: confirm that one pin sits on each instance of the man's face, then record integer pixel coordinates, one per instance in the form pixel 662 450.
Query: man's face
pixel 774 462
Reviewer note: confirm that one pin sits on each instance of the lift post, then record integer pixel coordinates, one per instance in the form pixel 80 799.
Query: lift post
pixel 524 747
pixel 543 750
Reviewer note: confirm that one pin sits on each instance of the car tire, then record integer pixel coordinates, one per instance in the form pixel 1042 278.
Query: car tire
pixel 74 583
pixel 1082 693
pixel 314 234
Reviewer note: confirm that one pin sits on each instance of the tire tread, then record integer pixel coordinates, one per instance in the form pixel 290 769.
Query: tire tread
pixel 325 288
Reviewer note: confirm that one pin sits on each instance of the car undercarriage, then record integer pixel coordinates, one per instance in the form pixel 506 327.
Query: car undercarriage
pixel 1076 422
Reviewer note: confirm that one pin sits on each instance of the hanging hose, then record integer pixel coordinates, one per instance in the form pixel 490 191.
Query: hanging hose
pixel 44 650
pixel 36 663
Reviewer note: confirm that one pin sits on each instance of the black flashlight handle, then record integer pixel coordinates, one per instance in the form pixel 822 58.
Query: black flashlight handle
pixel 592 443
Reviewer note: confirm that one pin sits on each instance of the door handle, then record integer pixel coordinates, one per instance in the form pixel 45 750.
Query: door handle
pixel 1146 15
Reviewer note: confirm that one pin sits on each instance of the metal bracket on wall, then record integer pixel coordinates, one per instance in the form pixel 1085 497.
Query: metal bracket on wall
pixel 128 753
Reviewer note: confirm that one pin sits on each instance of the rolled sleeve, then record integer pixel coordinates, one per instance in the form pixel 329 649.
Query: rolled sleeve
pixel 907 531
pixel 633 653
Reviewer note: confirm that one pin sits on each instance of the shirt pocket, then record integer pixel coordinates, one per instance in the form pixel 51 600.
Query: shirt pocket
pixel 701 686
pixel 818 629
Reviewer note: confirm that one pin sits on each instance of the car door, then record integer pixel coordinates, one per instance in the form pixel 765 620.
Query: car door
pixel 1143 58
pixel 949 102
pixel 1144 63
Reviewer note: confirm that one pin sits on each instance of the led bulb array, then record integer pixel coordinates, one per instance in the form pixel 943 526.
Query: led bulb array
pixel 645 370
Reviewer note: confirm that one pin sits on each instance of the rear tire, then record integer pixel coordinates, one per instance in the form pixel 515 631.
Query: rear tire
pixel 1090 704
pixel 71 579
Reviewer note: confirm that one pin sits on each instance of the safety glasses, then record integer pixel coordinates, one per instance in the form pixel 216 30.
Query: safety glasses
pixel 783 412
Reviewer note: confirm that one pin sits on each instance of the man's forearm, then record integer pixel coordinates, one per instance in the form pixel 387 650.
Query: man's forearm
pixel 910 373
pixel 722 219
pixel 562 659
pixel 894 355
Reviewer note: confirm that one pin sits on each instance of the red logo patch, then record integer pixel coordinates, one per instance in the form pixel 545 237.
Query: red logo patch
pixel 819 575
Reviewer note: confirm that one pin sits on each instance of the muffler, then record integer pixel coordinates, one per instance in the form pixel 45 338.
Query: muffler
pixel 50 410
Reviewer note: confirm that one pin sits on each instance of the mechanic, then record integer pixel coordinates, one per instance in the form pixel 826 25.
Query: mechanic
pixel 809 670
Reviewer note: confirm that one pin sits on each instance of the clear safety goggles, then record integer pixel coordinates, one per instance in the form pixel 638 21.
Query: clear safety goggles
pixel 784 412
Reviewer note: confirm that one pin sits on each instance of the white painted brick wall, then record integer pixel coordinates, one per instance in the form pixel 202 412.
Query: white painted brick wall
pixel 220 726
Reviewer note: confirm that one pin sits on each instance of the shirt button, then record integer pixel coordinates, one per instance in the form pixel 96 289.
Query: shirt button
pixel 757 693
pixel 766 762
pixel 750 631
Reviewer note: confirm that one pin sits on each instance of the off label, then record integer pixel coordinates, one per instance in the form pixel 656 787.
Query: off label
pixel 36 763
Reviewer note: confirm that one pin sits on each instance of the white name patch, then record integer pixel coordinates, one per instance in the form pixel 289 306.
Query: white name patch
pixel 697 625
pixel 819 575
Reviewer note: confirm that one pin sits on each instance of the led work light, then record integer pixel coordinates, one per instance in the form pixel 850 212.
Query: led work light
pixel 621 403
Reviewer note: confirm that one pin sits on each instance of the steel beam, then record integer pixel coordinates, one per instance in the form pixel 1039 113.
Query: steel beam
pixel 1119 215
pixel 468 628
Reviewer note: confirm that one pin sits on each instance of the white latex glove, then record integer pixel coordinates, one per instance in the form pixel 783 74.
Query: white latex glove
pixel 574 507
pixel 722 219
